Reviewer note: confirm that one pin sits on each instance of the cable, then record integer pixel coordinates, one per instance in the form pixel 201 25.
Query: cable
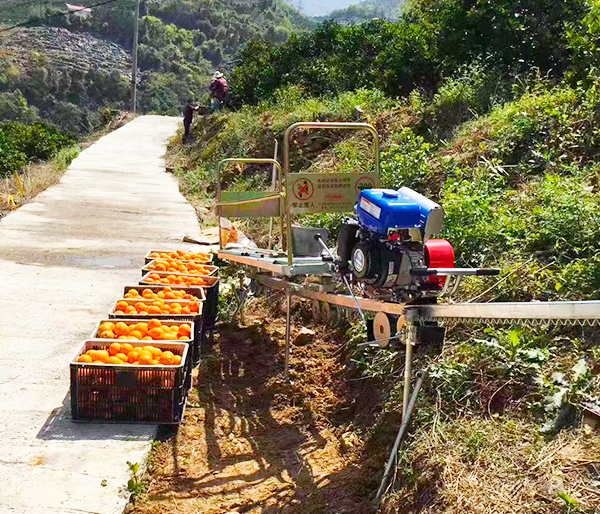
pixel 35 20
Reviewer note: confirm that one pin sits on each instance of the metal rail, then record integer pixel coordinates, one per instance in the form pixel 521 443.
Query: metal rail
pixel 532 313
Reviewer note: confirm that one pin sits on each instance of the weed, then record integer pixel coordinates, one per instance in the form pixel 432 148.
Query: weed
pixel 135 485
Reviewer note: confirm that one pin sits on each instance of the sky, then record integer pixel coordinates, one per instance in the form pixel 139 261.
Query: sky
pixel 321 7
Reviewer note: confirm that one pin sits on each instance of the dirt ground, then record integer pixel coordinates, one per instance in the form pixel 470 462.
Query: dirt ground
pixel 253 443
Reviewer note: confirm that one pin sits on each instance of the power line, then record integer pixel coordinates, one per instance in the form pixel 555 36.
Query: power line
pixel 35 20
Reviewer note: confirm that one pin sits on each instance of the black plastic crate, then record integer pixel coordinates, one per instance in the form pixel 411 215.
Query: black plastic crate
pixel 130 394
pixel 210 309
pixel 196 319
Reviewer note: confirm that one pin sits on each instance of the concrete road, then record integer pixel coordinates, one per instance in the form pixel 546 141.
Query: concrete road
pixel 64 259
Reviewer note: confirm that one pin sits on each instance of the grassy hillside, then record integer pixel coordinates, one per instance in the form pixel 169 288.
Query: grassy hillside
pixel 505 137
pixel 181 43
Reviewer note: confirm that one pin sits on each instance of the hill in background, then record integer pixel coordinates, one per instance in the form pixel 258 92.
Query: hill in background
pixel 182 42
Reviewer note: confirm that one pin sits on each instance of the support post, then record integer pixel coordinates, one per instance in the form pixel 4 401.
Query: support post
pixel 403 427
pixel 410 340
pixel 288 333
pixel 135 58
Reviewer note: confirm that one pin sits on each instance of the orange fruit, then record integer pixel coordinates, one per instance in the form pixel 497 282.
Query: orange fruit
pixel 121 329
pixel 146 338
pixel 84 358
pixel 133 356
pixel 154 310
pixel 156 352
pixel 101 355
pixel 184 330
pixel 154 323
pixel 126 348
pixel 176 360
pixel 183 338
pixel 166 358
pixel 106 326
pixel 107 334
pixel 119 313
pixel 114 348
pixel 135 334
pixel 114 360
pixel 146 359
pixel 121 356
pixel 155 333
pixel 168 336
pixel 142 328
pixel 122 305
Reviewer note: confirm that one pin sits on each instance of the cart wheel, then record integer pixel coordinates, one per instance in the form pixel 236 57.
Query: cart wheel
pixel 382 329
pixel 316 310
pixel 326 313
pixel 336 315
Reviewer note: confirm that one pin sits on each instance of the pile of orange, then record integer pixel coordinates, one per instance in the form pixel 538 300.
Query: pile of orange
pixel 156 307
pixel 166 294
pixel 125 354
pixel 180 255
pixel 176 280
pixel 179 267
pixel 154 329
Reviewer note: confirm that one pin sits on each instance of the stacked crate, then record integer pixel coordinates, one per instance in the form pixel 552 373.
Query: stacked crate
pixel 148 391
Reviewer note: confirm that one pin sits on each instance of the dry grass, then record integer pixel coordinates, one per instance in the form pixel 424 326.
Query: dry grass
pixel 17 190
pixel 39 176
pixel 498 466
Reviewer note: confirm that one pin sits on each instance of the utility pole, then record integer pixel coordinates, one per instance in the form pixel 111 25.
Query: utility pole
pixel 135 56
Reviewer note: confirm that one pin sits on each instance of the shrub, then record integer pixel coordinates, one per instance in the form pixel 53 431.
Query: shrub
pixel 20 144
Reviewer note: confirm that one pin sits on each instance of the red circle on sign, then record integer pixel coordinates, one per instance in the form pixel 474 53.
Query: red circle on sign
pixel 303 189
pixel 371 184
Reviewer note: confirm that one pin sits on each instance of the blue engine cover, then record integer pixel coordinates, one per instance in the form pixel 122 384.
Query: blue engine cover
pixel 382 209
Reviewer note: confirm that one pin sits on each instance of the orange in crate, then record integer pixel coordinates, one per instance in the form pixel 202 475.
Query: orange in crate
pixel 190 268
pixel 155 278
pixel 166 294
pixel 153 330
pixel 180 255
pixel 126 355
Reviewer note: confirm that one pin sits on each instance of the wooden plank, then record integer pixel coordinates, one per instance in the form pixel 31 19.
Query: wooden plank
pixel 366 304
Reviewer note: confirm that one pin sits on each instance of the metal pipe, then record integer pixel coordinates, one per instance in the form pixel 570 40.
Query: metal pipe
pixel 410 338
pixel 403 427
pixel 288 334
pixel 273 188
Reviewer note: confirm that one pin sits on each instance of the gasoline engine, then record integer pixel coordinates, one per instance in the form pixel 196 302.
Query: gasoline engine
pixel 388 246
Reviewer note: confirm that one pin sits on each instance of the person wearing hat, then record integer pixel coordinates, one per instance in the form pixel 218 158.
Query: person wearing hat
pixel 219 91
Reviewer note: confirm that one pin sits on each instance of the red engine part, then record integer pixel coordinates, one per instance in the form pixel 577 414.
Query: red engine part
pixel 439 254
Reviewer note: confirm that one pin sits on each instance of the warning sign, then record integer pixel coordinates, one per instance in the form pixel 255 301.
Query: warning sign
pixel 303 189
pixel 326 192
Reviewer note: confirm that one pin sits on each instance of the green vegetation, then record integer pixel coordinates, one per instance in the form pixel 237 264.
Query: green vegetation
pixel 432 40
pixel 182 41
pixel 367 10
pixel 21 144
pixel 496 117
